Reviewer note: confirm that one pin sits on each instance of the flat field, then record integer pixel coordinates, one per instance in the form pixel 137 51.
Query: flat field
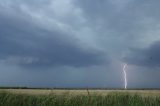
pixel 39 97
pixel 81 92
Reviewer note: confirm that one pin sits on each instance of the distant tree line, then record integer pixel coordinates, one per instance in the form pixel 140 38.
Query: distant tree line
pixel 78 88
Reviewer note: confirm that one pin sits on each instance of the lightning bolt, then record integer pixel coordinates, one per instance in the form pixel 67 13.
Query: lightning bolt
pixel 125 76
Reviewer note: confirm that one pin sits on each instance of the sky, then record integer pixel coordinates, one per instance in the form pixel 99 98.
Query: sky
pixel 80 43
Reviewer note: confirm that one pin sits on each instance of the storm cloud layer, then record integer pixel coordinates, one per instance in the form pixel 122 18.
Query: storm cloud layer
pixel 147 57
pixel 24 43
pixel 79 43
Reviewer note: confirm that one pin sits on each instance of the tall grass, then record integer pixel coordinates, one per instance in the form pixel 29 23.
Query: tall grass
pixel 112 99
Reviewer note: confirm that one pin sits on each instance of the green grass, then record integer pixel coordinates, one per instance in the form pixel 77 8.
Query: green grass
pixel 112 99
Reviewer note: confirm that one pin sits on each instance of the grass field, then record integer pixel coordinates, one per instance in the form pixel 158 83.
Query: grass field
pixel 34 97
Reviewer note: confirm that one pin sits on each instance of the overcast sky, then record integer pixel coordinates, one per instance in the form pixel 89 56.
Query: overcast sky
pixel 79 43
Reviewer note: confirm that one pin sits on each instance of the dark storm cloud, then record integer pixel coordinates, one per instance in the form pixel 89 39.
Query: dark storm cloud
pixel 126 18
pixel 25 44
pixel 148 57
pixel 72 40
pixel 111 13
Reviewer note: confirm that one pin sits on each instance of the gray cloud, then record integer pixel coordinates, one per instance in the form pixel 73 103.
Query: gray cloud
pixel 147 57
pixel 80 42
pixel 124 23
pixel 24 43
